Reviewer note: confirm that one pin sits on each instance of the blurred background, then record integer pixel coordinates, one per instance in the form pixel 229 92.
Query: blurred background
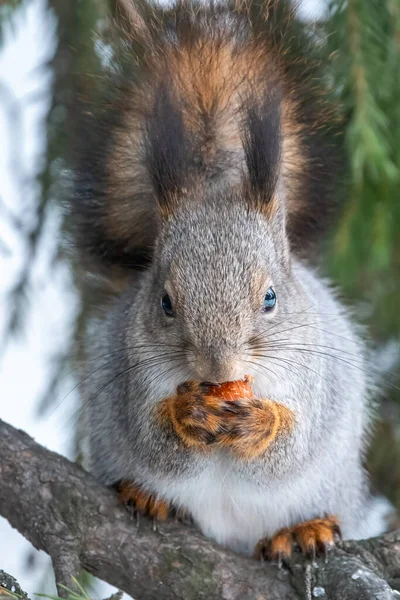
pixel 48 51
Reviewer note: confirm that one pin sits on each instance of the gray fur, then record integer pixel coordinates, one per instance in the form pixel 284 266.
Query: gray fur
pixel 217 257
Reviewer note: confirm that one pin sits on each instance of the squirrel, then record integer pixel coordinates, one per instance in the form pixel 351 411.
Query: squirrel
pixel 205 175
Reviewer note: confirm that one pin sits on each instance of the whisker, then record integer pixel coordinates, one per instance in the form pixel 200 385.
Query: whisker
pixel 143 364
pixel 173 370
pixel 140 348
pixel 266 331
pixel 344 361
pixel 300 325
pixel 272 326
pixel 260 366
pixel 301 366
pixel 342 337
pixel 289 344
pixel 313 347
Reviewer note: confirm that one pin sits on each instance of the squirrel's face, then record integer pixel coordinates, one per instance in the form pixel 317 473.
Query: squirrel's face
pixel 220 280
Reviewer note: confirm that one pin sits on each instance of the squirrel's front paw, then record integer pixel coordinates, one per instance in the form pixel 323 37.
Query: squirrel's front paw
pixel 246 427
pixel 145 503
pixel 198 418
pixel 253 424
pixel 312 537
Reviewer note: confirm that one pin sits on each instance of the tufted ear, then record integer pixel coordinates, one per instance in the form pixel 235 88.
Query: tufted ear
pixel 262 148
pixel 167 149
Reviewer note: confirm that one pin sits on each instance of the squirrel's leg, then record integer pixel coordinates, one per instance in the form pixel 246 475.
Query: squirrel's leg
pixel 144 502
pixel 246 427
pixel 312 537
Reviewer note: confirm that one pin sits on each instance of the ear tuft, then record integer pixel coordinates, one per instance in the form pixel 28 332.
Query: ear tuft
pixel 167 148
pixel 262 145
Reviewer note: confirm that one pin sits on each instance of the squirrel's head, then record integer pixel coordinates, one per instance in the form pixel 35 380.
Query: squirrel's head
pixel 222 260
pixel 220 276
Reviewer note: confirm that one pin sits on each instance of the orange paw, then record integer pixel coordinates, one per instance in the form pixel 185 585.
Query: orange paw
pixel 145 503
pixel 312 537
pixel 253 424
pixel 197 417
pixel 245 426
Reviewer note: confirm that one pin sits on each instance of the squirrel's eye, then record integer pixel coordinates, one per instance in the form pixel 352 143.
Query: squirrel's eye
pixel 269 300
pixel 167 305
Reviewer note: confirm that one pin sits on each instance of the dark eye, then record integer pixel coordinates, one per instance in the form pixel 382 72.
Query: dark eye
pixel 269 300
pixel 167 305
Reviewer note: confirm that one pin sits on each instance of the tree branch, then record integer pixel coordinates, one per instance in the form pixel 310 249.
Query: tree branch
pixel 10 588
pixel 62 510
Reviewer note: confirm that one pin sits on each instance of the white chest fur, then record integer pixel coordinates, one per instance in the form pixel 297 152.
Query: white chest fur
pixel 238 512
pixel 235 512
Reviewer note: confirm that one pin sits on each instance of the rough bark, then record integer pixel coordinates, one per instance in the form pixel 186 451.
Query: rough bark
pixel 62 510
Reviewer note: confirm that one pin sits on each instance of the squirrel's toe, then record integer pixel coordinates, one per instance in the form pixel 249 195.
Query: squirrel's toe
pixel 145 503
pixel 313 537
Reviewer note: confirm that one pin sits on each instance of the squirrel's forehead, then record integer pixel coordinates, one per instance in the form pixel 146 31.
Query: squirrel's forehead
pixel 222 278
pixel 221 255
pixel 218 227
pixel 218 243
pixel 215 245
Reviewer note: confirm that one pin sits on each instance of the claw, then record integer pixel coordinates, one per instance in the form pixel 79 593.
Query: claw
pixel 313 553
pixel 313 537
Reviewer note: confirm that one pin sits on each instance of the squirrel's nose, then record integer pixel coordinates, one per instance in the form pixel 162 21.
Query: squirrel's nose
pixel 219 370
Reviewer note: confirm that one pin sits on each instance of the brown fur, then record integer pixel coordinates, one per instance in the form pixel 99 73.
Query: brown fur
pixel 213 70
pixel 246 427
pixel 211 84
pixel 144 502
pixel 313 537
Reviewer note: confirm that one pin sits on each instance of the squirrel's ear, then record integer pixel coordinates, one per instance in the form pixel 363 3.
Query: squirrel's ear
pixel 167 149
pixel 262 148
